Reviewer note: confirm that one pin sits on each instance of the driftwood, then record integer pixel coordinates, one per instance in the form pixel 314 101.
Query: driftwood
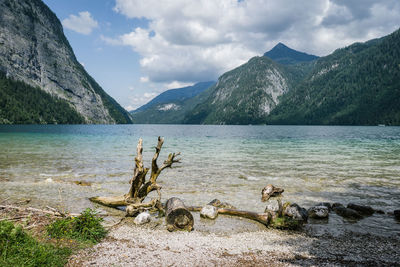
pixel 139 188
pixel 51 211
pixel 263 218
pixel 178 217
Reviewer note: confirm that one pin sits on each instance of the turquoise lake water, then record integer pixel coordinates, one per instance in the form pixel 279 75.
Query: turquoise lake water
pixel 231 163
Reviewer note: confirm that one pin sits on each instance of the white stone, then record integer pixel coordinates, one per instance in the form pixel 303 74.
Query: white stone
pixel 209 212
pixel 49 180
pixel 142 218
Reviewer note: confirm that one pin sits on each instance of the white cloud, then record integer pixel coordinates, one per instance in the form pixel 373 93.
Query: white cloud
pixel 84 23
pixel 144 79
pixel 138 100
pixel 176 84
pixel 189 41
pixel 129 108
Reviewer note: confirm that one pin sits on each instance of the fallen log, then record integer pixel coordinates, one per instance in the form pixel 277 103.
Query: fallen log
pixel 139 188
pixel 177 216
pixel 263 218
pixel 54 211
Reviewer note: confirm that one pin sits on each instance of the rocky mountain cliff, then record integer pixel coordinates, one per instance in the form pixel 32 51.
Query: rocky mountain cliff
pixel 33 49
pixel 247 94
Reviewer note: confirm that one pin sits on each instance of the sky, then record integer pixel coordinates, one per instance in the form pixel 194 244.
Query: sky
pixel 136 49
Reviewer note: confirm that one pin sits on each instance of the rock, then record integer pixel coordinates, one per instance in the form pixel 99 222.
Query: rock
pixel 364 210
pixel 346 212
pixel 49 180
pixel 270 191
pixel 397 214
pixel 296 212
pixel 336 204
pixel 142 218
pixel 223 205
pixel 272 207
pixel 318 212
pixel 82 183
pixel 326 204
pixel 379 211
pixel 209 212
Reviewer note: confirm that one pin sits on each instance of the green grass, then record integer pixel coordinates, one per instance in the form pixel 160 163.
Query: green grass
pixel 86 227
pixel 18 248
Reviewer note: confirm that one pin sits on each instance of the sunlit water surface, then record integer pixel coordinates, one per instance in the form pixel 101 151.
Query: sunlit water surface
pixel 232 163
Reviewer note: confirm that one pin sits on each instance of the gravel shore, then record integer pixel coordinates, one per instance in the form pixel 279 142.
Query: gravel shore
pixel 210 244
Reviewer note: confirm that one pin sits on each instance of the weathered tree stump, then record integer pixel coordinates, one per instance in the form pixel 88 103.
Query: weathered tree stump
pixel 178 217
pixel 139 188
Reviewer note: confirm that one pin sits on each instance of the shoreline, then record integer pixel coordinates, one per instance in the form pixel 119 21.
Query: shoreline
pixel 152 244
pixel 227 241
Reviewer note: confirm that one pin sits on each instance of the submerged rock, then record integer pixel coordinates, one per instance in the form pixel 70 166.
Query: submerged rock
pixel 296 212
pixel 346 212
pixel 209 212
pixel 397 214
pixel 142 218
pixel 380 211
pixel 83 183
pixel 364 210
pixel 318 212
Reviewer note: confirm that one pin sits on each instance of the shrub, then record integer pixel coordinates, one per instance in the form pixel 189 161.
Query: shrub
pixel 85 227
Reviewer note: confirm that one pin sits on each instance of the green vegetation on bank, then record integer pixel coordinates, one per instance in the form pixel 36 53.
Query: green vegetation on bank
pixel 19 248
pixel 86 227
pixel 23 104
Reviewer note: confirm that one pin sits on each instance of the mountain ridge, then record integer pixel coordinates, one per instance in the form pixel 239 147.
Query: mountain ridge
pixel 285 55
pixel 171 105
pixel 34 50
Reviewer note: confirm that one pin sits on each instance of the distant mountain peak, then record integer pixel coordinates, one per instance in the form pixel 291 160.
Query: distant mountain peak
pixel 283 54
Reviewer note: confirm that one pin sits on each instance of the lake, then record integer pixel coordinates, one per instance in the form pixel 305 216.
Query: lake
pixel 232 163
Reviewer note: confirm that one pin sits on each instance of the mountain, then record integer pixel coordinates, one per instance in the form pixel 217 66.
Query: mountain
pixel 34 50
pixel 287 56
pixel 247 94
pixel 171 105
pixel 178 94
pixel 356 85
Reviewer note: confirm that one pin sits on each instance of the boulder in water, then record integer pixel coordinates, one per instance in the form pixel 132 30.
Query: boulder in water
pixel 318 212
pixel 296 212
pixel 397 214
pixel 326 204
pixel 364 210
pixel 346 212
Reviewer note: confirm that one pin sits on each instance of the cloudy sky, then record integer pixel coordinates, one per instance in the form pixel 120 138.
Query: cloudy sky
pixel 136 49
